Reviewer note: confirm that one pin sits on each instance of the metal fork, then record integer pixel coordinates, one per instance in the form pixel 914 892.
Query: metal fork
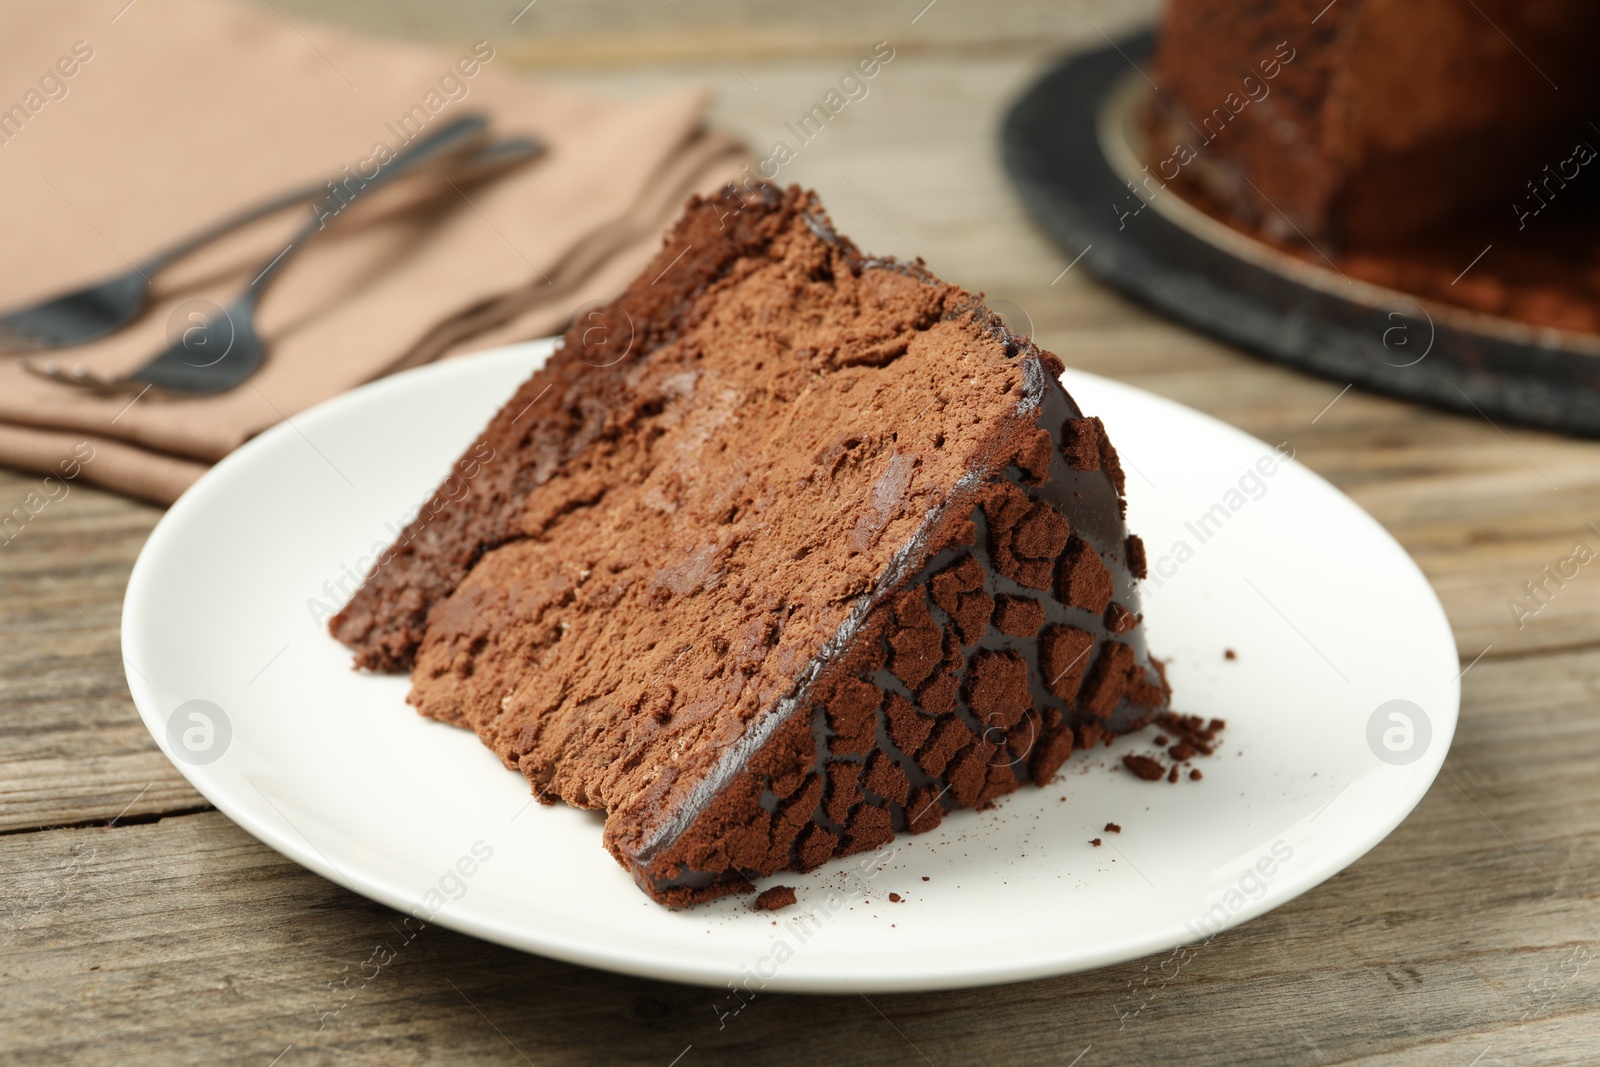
pixel 220 351
pixel 104 307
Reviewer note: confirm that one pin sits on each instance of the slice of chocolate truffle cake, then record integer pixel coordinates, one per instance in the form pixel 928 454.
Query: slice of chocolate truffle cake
pixel 786 551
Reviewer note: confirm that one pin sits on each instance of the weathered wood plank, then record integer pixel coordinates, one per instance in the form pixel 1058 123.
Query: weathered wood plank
pixel 74 750
pixel 68 792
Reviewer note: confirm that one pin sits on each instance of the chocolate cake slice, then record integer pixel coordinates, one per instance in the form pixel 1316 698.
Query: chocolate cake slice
pixel 786 551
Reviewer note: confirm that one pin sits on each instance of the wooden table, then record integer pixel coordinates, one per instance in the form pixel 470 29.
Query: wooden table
pixel 142 927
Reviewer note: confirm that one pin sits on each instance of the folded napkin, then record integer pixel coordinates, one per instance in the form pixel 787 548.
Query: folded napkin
pixel 144 121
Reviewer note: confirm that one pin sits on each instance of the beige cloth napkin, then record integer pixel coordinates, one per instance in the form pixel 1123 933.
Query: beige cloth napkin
pixel 178 112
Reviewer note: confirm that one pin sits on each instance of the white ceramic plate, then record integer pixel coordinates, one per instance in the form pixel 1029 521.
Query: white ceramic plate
pixel 1330 619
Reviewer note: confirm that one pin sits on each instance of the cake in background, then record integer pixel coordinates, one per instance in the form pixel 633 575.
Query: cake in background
pixel 1397 139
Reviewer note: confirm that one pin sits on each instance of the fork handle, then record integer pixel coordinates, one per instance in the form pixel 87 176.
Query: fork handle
pixel 174 252
pixel 304 194
pixel 445 142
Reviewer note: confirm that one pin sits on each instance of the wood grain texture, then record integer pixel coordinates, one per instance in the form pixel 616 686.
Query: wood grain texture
pixel 1471 936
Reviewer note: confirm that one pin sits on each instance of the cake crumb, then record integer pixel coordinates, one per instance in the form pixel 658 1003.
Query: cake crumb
pixel 779 896
pixel 894 898
pixel 1113 828
pixel 924 878
pixel 1095 841
pixel 1195 775
pixel 1193 731
pixel 1145 767
pixel 1229 653
pixel 1172 775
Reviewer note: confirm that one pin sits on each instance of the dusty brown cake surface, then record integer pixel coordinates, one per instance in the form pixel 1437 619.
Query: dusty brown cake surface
pixel 1397 140
pixel 796 550
pixel 1381 118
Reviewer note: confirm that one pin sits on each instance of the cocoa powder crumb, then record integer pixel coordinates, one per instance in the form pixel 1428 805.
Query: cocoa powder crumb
pixel 779 896
pixel 1192 732
pixel 1145 767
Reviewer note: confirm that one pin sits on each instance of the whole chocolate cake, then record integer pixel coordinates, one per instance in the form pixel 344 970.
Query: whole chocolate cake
pixel 1396 139
pixel 786 551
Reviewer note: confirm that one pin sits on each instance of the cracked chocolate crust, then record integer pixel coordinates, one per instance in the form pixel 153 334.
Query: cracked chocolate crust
pixel 1017 641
